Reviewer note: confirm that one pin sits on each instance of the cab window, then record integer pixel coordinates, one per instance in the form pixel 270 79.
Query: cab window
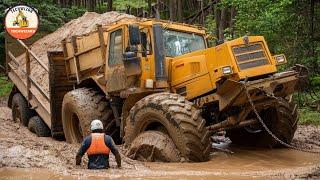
pixel 115 48
pixel 179 43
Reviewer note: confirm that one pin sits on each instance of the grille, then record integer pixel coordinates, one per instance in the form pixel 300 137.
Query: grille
pixel 249 56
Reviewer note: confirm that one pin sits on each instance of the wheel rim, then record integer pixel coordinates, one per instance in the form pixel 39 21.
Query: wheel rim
pixel 153 123
pixel 75 128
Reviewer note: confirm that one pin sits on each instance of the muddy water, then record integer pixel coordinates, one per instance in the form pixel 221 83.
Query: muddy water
pixel 243 163
pixel 250 162
pixel 35 174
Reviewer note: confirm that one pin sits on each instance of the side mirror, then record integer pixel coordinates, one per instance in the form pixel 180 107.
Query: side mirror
pixel 129 56
pixel 134 35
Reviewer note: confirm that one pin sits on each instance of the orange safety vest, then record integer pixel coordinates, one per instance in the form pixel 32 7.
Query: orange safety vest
pixel 98 145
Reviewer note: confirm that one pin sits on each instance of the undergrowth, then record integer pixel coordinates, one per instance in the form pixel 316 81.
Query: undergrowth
pixel 5 85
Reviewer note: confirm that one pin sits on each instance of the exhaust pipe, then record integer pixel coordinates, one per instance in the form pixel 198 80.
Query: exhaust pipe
pixel 159 57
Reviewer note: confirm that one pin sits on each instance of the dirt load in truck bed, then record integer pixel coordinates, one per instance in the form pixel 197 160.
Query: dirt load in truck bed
pixel 52 42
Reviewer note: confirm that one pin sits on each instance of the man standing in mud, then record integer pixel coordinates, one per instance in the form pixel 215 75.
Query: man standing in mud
pixel 97 146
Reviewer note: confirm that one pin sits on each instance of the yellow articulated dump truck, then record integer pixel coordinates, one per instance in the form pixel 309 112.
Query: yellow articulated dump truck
pixel 152 81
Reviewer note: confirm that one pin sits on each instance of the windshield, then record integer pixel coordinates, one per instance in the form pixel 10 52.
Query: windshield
pixel 179 43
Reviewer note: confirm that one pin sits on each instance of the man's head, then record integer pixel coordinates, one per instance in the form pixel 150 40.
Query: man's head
pixel 96 126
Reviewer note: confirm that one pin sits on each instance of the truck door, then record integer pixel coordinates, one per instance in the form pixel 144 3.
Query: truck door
pixel 115 72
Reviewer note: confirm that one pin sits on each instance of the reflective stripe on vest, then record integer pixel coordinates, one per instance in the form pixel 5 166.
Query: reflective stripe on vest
pixel 98 145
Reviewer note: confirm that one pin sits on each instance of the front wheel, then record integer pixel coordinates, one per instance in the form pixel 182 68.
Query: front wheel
pixel 281 121
pixel 173 115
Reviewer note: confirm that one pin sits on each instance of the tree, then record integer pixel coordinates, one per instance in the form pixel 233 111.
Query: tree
pixel 109 5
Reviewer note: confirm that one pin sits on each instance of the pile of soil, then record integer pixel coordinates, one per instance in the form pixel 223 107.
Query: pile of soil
pixel 52 42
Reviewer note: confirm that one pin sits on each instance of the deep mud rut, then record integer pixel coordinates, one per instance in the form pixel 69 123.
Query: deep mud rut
pixel 24 155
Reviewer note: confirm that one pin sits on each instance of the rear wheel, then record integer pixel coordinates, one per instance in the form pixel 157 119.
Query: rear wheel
pixel 20 110
pixel 173 115
pixel 281 120
pixel 38 126
pixel 79 108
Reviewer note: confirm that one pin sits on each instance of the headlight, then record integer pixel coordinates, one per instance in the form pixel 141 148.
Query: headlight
pixel 280 59
pixel 227 70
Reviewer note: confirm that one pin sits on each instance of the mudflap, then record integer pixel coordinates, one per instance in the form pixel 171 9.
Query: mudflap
pixel 232 93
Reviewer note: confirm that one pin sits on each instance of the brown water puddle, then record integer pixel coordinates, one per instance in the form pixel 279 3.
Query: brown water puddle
pixel 242 164
pixel 26 173
pixel 259 162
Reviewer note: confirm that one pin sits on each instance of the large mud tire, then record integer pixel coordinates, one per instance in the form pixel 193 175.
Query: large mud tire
pixel 175 116
pixel 281 121
pixel 20 109
pixel 38 126
pixel 79 108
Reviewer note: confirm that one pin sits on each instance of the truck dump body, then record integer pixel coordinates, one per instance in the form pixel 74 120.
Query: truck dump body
pixel 47 74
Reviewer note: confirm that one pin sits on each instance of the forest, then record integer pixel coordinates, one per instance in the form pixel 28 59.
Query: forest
pixel 289 26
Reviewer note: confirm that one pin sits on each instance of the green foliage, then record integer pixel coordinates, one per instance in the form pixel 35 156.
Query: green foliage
pixel 5 86
pixel 210 25
pixel 285 24
pixel 307 103
pixel 123 5
pixel 272 19
pixel 308 116
pixel 53 16
pixel 315 82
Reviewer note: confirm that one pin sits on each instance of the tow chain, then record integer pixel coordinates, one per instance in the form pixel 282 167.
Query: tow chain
pixel 266 127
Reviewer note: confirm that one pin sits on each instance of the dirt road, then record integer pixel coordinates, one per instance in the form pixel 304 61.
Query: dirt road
pixel 23 154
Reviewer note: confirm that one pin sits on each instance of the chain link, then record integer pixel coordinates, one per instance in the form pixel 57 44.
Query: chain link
pixel 266 127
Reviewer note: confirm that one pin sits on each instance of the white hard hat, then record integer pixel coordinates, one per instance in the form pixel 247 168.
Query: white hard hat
pixel 96 124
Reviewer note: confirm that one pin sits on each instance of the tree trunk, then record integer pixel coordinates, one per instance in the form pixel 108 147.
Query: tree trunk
pixel 179 10
pixel 217 14
pixel 311 36
pixel 172 10
pixel 222 24
pixel 232 20
pixel 157 13
pixel 109 8
pixel 149 8
pixel 201 17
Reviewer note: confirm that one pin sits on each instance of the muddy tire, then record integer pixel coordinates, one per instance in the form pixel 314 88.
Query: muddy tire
pixel 38 126
pixel 79 108
pixel 20 109
pixel 281 120
pixel 153 146
pixel 174 115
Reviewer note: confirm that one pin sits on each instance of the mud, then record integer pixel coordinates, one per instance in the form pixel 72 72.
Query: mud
pixel 23 154
pixel 52 42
